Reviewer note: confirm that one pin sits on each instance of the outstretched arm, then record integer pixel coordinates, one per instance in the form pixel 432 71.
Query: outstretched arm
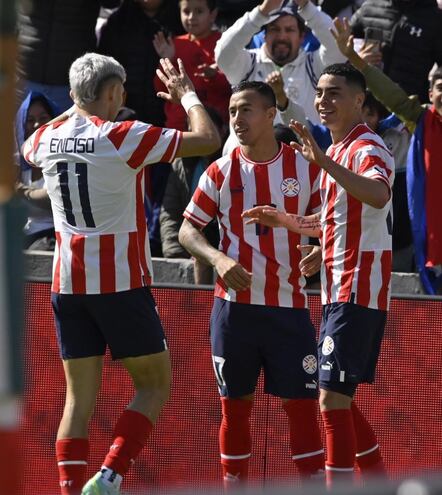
pixel 320 23
pixel 231 55
pixel 390 94
pixel 232 273
pixel 271 217
pixel 204 138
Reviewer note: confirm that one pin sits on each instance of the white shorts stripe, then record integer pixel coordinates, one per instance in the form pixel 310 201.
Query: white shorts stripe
pixel 244 456
pixel 71 463
pixel 340 470
pixel 308 454
pixel 369 451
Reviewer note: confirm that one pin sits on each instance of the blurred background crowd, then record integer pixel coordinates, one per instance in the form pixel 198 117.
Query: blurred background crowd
pixel 222 42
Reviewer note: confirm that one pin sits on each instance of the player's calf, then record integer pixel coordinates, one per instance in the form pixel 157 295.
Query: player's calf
pixel 235 440
pixel 305 437
pixel 368 454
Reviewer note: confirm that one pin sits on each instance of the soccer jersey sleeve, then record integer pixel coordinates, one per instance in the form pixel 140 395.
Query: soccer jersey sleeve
pixel 203 206
pixel 31 147
pixel 314 205
pixel 374 162
pixel 140 144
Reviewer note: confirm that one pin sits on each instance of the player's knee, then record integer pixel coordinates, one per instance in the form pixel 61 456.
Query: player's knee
pixel 331 399
pixel 154 384
pixel 154 395
pixel 79 410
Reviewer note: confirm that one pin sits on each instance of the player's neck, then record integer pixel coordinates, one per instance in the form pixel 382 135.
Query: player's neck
pixel 338 133
pixel 261 152
pixel 94 109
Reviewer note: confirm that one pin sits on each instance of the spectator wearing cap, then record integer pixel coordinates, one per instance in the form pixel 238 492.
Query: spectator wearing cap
pixel 282 52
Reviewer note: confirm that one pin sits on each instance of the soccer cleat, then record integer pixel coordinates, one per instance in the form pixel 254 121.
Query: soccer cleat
pixel 98 486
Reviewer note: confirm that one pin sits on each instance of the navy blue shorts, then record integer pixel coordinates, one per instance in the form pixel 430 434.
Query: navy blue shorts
pixel 248 337
pixel 349 345
pixel 127 322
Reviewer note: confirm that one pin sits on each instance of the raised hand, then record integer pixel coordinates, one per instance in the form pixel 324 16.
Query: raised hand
pixel 344 39
pixel 269 6
pixel 265 215
pixel 177 83
pixel 165 47
pixel 308 148
pixel 275 80
pixel 371 53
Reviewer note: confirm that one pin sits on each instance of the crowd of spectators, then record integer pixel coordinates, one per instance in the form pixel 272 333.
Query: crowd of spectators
pixel 223 42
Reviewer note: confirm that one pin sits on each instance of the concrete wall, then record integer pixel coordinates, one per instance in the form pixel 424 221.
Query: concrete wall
pixel 38 267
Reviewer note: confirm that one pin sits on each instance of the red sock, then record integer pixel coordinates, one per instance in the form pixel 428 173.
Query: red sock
pixel 130 435
pixel 341 444
pixel 234 439
pixel 72 454
pixel 305 436
pixel 368 454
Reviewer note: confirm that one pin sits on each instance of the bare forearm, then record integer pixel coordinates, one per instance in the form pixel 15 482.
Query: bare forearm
pixel 305 225
pixel 195 243
pixel 370 191
pixel 357 61
pixel 204 138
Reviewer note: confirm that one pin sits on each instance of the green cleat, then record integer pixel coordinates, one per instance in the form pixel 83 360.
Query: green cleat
pixel 98 486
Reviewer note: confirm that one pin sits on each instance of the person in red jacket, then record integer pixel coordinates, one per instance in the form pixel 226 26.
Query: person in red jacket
pixel 196 50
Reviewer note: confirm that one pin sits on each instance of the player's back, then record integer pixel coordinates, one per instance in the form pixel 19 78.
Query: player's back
pixel 92 191
pixel 93 173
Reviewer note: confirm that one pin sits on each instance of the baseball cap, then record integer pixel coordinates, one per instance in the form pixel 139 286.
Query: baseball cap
pixel 286 7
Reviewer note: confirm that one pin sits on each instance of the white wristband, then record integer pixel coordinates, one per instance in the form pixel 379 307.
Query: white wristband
pixel 189 100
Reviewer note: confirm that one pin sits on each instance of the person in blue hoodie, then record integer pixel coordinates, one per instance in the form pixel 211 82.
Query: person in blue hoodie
pixel 35 111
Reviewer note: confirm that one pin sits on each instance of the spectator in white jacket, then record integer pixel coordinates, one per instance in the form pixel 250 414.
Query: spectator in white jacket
pixel 281 56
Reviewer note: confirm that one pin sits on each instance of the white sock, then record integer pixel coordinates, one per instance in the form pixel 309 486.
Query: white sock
pixel 111 477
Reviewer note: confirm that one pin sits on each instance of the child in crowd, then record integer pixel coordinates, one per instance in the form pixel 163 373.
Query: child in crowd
pixel 35 111
pixel 196 50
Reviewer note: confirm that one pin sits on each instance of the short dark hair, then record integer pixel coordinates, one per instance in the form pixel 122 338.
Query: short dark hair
pixel 212 4
pixel 262 88
pixel 437 74
pixel 351 75
pixel 284 134
pixel 372 103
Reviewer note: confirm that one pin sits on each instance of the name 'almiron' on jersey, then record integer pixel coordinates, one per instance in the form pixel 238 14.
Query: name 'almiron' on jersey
pixel 93 172
pixel 357 238
pixel 233 184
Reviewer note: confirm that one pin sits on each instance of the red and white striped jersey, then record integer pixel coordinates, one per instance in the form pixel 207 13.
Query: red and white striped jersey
pixel 93 171
pixel 233 184
pixel 356 238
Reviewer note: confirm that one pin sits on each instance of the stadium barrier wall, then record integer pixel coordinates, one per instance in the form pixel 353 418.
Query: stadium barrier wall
pixel 404 405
